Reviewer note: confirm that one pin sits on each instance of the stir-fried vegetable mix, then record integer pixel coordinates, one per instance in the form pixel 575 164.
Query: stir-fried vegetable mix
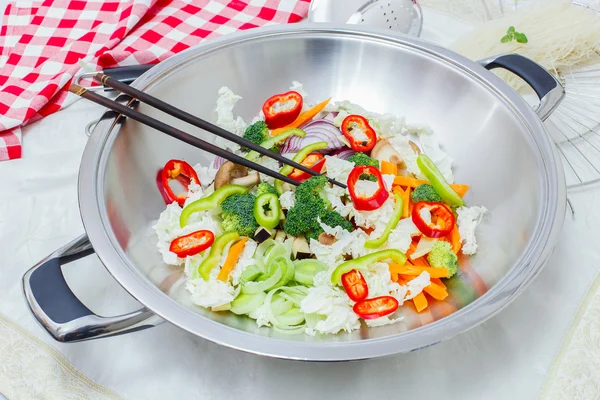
pixel 316 258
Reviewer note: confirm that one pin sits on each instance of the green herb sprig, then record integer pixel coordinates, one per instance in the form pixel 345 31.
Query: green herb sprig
pixel 512 34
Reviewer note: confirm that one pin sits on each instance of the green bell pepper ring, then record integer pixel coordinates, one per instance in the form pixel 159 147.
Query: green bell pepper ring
pixel 275 140
pixel 439 183
pixel 210 202
pixel 363 262
pixel 267 210
pixel 299 157
pixel 216 251
pixel 394 219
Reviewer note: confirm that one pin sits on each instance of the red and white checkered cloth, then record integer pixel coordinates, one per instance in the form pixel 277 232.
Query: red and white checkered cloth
pixel 42 43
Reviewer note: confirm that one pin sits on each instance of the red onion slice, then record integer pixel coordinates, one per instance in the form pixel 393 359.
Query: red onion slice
pixel 218 161
pixel 319 130
pixel 344 154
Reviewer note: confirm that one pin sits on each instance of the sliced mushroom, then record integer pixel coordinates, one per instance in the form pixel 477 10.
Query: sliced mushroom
pixel 327 239
pixel 248 181
pixel 228 172
pixel 384 151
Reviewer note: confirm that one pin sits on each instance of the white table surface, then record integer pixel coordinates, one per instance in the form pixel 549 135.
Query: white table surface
pixel 506 357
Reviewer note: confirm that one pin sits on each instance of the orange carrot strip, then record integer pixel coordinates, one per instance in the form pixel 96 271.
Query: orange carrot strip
pixel 232 257
pixel 398 190
pixel 435 291
pixel 455 240
pixel 389 168
pixel 413 183
pixel 421 262
pixel 438 282
pixel 406 199
pixel 302 118
pixel 420 302
pixel 415 270
pixel 394 276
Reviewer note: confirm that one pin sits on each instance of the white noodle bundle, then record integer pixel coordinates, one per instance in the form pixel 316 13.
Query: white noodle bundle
pixel 560 35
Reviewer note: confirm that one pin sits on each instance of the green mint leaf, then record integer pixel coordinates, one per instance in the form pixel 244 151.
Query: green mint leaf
pixel 521 38
pixel 505 39
pixel 511 29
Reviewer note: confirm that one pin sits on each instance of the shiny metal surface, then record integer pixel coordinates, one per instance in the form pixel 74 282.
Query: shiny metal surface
pixel 403 16
pixel 84 327
pixel 499 144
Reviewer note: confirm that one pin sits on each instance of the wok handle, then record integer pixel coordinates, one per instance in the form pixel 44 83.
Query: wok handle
pixel 546 86
pixel 61 313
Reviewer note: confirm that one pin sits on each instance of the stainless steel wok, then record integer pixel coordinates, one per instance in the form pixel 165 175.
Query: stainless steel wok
pixel 498 141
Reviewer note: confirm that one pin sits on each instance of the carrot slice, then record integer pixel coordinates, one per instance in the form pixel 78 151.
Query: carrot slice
pixel 421 262
pixel 406 199
pixel 438 282
pixel 232 257
pixel 455 240
pixel 389 168
pixel 302 118
pixel 420 302
pixel 435 291
pixel 415 270
pixel 401 180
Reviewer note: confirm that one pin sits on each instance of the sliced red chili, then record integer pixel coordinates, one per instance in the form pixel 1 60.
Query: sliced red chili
pixel 355 285
pixel 443 219
pixel 183 173
pixel 314 161
pixel 192 243
pixel 282 109
pixel 376 307
pixel 370 202
pixel 359 133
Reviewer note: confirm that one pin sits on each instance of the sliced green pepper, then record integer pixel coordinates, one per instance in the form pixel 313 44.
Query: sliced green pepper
pixel 439 183
pixel 267 210
pixel 362 262
pixel 275 140
pixel 210 202
pixel 216 251
pixel 299 157
pixel 394 219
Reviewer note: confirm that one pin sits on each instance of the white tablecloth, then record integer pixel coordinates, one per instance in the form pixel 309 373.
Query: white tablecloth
pixel 506 357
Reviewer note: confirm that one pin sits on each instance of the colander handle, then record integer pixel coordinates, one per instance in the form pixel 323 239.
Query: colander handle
pixel 61 313
pixel 546 86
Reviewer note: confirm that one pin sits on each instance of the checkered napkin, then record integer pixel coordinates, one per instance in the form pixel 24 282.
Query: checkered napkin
pixel 42 42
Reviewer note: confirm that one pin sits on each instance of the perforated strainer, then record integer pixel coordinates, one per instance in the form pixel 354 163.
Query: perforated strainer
pixel 399 15
pixel 403 16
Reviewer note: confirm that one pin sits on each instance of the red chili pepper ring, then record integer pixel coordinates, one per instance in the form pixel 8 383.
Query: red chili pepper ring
pixel 282 109
pixel 359 133
pixel 443 225
pixel 183 173
pixel 373 201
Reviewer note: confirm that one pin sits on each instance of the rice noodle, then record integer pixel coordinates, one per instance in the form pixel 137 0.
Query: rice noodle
pixel 560 36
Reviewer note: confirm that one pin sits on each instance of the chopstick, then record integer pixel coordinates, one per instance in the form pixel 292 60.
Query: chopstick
pixel 200 123
pixel 176 133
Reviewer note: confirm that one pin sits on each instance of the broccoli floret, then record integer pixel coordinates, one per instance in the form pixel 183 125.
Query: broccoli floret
pixel 333 219
pixel 266 187
pixel 363 159
pixel 312 204
pixel 425 192
pixel 367 177
pixel 441 256
pixel 257 133
pixel 238 214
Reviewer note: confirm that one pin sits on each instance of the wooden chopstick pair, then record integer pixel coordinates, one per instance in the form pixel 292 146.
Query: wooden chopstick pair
pixel 193 120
